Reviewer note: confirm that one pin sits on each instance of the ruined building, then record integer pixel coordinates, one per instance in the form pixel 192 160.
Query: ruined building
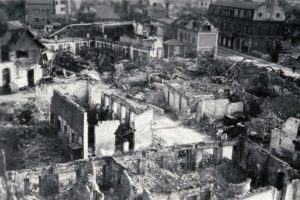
pixel 120 38
pixel 193 98
pixel 175 172
pixel 100 123
pixel 20 54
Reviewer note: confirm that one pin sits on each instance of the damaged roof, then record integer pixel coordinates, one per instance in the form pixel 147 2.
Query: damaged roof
pixel 16 35
pixel 192 23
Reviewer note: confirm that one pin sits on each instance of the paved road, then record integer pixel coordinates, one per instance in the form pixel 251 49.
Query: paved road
pixel 238 56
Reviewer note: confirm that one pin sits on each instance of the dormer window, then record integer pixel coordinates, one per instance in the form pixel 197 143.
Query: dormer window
pixel 259 14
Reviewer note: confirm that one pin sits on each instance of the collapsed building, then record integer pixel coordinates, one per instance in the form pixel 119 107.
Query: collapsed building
pixel 195 98
pixel 100 123
pixel 117 37
pixel 176 172
pixel 20 58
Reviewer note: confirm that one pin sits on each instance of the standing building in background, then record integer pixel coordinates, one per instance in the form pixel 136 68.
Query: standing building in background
pixel 195 36
pixel 39 13
pixel 248 26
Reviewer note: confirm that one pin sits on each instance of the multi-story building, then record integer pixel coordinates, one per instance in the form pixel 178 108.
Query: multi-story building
pixel 39 13
pixel 197 34
pixel 247 25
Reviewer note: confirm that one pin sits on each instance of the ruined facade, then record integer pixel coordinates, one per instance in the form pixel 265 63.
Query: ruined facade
pixel 186 99
pixel 284 141
pixel 177 172
pixel 20 58
pixel 73 119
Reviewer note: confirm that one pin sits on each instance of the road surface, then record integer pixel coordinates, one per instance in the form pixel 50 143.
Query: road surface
pixel 238 56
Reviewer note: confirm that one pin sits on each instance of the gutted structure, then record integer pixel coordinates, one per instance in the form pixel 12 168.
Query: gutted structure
pixel 108 37
pixel 285 141
pixel 192 97
pixel 176 172
pixel 20 58
pixel 103 125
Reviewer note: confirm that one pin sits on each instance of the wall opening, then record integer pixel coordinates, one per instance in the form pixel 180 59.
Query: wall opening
pixel 280 177
pixel 30 76
pixel 6 76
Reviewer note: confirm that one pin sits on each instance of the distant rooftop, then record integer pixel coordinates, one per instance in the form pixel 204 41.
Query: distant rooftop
pixel 238 4
pixel 39 2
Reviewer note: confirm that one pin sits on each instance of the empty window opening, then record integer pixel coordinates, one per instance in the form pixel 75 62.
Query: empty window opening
pixel 22 54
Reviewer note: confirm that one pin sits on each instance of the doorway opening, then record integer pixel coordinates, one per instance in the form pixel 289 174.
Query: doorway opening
pixel 30 77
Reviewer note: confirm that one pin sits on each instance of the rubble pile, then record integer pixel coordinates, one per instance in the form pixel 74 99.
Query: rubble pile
pixel 68 61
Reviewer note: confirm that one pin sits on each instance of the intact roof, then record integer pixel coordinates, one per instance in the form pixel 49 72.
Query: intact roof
pixel 238 4
pixel 174 42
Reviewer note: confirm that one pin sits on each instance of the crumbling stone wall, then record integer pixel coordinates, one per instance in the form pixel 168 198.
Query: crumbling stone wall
pixel 282 140
pixel 52 179
pixel 264 168
pixel 217 108
pixel 117 178
pixel 69 120
pixel 176 99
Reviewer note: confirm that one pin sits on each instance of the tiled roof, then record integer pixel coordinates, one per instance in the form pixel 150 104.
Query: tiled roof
pixel 238 4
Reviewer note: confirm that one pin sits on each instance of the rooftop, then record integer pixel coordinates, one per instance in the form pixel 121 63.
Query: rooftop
pixel 193 23
pixel 238 4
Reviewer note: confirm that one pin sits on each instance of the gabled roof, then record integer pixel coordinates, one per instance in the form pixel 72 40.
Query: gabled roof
pixel 14 32
pixel 238 4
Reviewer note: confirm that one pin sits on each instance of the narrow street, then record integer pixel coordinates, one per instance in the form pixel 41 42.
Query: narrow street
pixel 224 52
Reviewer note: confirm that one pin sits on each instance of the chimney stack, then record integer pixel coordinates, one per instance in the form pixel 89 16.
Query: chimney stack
pixel 167 9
